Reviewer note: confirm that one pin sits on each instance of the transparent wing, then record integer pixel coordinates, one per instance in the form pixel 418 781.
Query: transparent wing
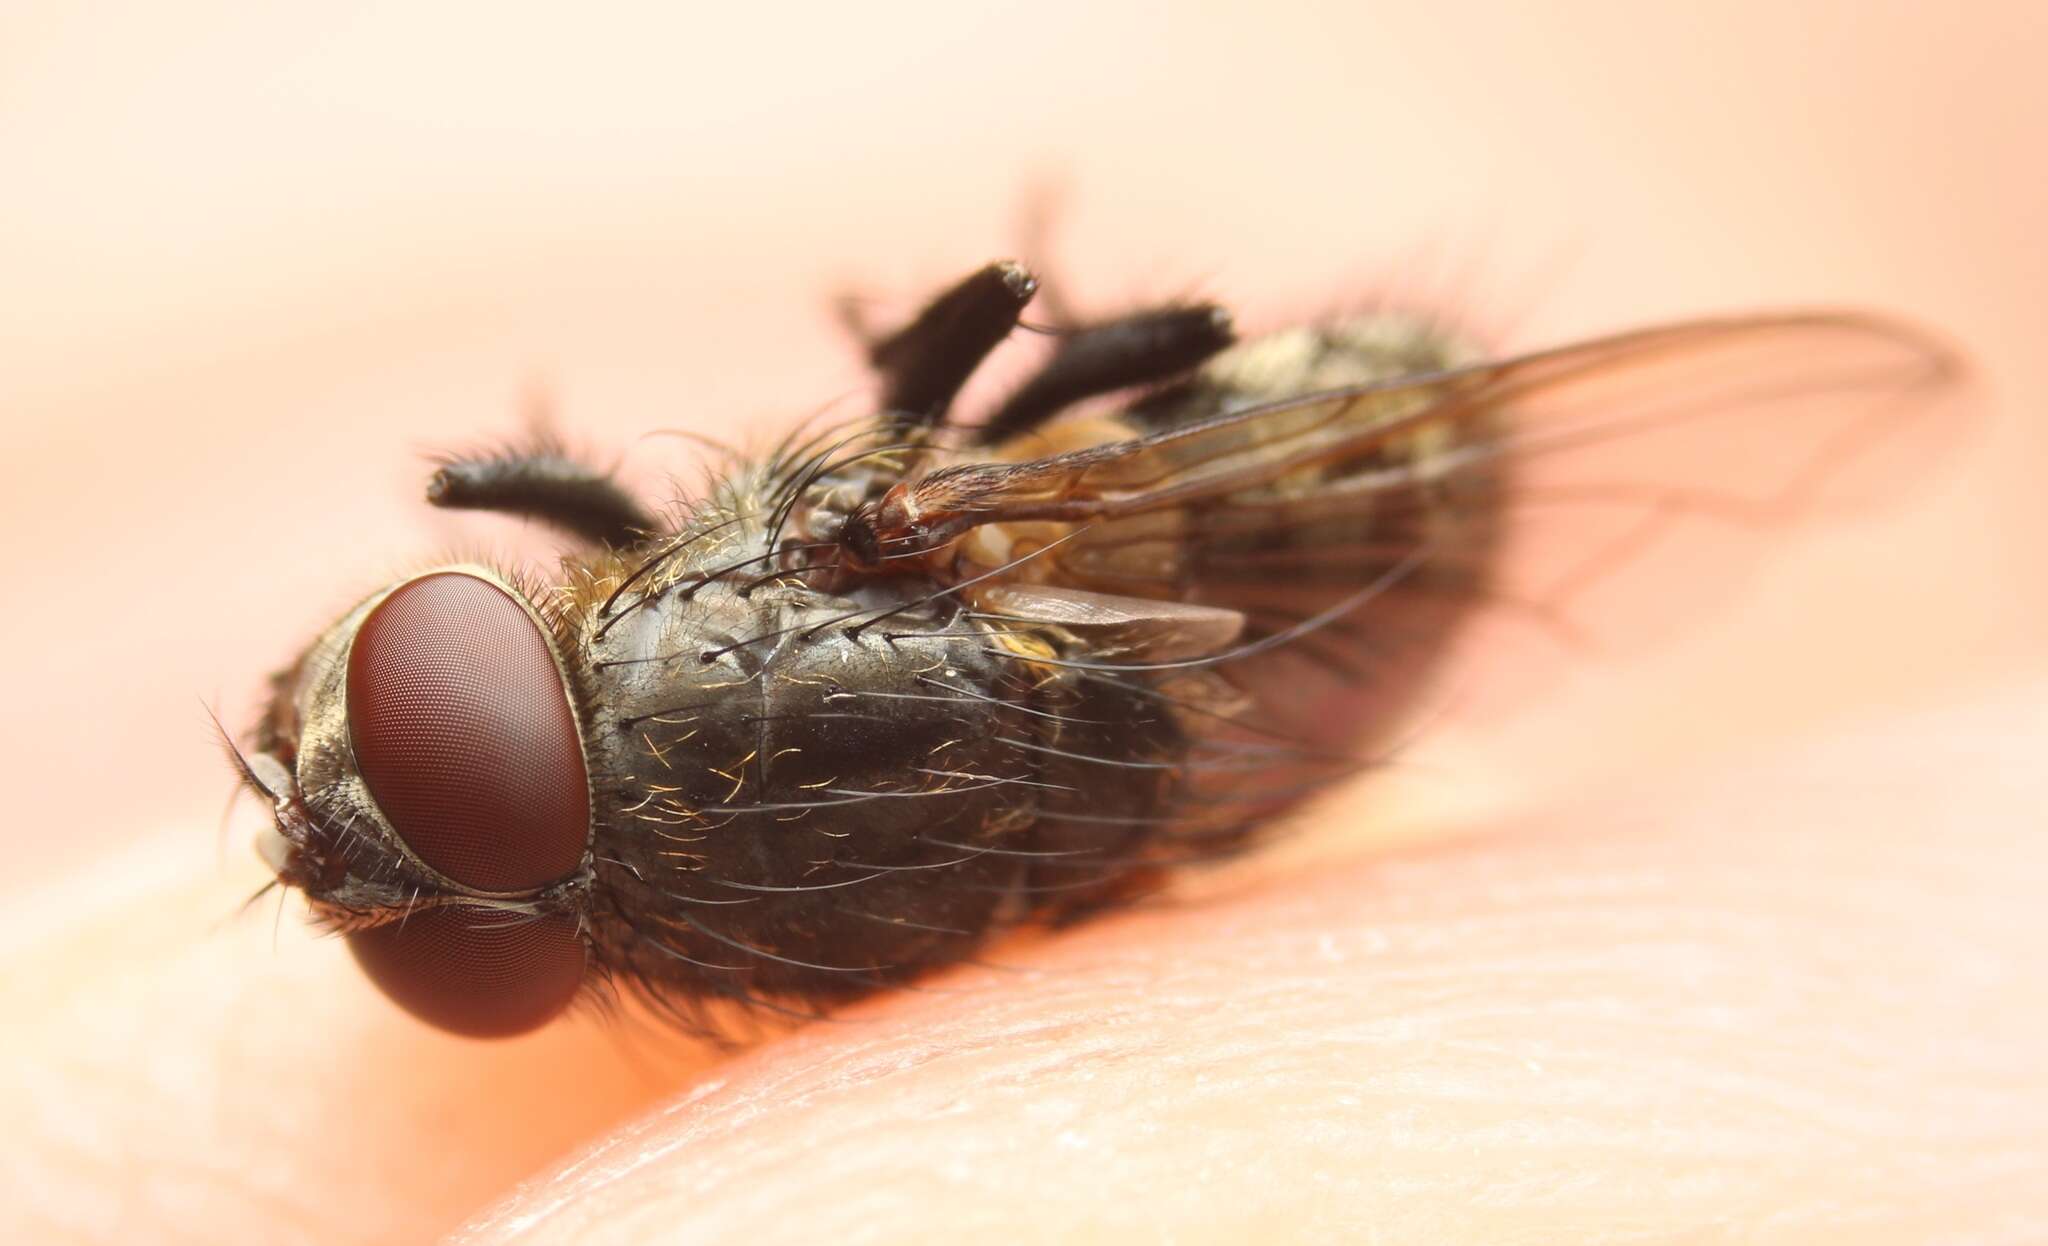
pixel 1355 529
pixel 1561 400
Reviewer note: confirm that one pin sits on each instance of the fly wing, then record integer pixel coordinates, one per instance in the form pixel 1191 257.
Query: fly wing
pixel 1562 400
pixel 1356 528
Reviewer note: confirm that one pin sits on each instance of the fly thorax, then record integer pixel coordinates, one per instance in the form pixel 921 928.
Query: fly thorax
pixel 766 761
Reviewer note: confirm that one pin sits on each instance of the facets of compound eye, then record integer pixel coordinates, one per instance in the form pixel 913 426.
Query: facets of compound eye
pixel 475 971
pixel 463 733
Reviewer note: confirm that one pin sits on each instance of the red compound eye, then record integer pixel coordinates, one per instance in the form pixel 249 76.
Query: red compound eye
pixel 475 971
pixel 463 732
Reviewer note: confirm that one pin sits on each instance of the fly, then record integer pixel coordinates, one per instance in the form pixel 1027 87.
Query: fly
pixel 899 685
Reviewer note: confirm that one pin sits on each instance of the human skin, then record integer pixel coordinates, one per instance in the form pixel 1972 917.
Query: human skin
pixel 1761 1004
pixel 1795 998
pixel 1735 941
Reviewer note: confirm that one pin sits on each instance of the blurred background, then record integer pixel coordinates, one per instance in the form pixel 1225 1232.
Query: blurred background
pixel 257 260
pixel 261 259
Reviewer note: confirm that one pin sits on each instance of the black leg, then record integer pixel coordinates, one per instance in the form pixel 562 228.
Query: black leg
pixel 546 484
pixel 1143 348
pixel 924 364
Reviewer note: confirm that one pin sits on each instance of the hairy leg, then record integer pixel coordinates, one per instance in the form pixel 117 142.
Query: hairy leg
pixel 1143 348
pixel 924 364
pixel 542 482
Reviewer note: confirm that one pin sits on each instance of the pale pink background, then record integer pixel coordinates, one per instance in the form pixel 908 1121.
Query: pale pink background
pixel 256 262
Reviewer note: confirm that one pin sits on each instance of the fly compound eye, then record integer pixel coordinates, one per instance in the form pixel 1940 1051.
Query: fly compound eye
pixel 473 970
pixel 463 734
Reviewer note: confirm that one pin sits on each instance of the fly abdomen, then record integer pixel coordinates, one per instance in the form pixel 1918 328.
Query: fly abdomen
pixel 1366 563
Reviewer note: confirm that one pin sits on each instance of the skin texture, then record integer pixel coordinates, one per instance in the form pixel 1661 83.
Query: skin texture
pixel 1736 936
pixel 1797 998
pixel 1638 1015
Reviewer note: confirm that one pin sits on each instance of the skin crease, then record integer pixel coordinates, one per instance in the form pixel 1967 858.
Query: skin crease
pixel 1735 939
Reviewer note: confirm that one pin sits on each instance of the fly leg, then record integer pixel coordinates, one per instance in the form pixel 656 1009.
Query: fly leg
pixel 1143 348
pixel 542 482
pixel 924 364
